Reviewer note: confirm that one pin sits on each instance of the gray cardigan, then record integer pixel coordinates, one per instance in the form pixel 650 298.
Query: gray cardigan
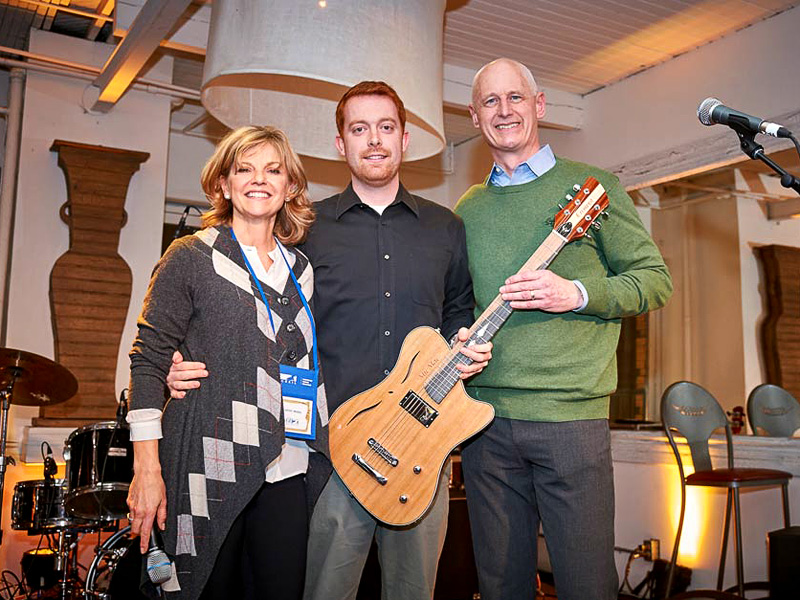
pixel 219 439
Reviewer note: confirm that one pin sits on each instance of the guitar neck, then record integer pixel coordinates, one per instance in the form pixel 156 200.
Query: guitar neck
pixel 489 322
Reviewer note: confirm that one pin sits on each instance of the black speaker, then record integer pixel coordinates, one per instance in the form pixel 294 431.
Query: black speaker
pixel 783 547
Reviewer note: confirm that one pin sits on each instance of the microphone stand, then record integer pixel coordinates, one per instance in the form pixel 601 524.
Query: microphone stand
pixel 748 144
pixel 5 402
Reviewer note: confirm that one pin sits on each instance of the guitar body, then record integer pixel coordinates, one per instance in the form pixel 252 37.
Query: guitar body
pixel 389 444
pixel 401 436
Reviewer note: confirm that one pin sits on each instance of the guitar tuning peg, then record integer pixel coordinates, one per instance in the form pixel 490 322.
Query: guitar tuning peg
pixel 569 197
pixel 576 188
pixel 586 235
pixel 605 214
pixel 596 225
pixel 559 206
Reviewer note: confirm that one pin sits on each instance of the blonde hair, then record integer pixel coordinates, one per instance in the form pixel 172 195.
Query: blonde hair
pixel 295 216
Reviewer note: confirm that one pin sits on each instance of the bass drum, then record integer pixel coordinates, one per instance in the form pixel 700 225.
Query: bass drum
pixel 116 570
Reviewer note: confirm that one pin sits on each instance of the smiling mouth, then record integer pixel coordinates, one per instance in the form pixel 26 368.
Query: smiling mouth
pixel 505 126
pixel 264 195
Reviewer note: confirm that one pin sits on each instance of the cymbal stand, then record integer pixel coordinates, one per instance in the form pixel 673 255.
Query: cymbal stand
pixel 5 405
pixel 67 563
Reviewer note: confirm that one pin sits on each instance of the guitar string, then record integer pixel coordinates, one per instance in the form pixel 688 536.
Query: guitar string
pixel 444 379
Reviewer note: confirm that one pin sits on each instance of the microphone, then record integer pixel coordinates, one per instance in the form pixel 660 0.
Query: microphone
pixel 181 223
pixel 50 466
pixel 159 567
pixel 122 407
pixel 711 112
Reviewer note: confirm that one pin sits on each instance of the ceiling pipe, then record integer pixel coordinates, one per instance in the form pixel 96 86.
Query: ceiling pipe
pixel 9 190
pixel 66 67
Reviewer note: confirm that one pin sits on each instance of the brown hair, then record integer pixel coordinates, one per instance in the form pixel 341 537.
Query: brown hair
pixel 296 215
pixel 370 88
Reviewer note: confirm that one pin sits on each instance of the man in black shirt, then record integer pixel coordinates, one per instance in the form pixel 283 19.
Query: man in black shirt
pixel 385 261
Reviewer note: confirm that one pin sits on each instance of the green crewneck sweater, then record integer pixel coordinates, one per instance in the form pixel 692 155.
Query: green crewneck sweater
pixel 548 366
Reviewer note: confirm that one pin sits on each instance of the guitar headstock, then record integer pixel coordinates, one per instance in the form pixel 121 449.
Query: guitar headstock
pixel 582 210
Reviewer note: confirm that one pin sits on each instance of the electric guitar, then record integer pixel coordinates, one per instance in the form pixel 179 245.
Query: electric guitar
pixel 389 443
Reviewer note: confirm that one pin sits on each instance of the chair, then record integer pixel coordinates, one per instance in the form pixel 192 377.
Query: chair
pixel 773 411
pixel 694 414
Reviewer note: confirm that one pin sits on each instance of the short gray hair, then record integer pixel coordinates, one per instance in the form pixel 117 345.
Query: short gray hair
pixel 525 71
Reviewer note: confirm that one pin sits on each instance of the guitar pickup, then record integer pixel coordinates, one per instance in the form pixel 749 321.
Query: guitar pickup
pixel 382 452
pixel 357 458
pixel 419 409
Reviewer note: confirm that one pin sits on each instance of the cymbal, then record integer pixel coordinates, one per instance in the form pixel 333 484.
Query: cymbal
pixel 36 380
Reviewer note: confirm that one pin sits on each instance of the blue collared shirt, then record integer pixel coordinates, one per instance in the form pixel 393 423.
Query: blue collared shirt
pixel 536 166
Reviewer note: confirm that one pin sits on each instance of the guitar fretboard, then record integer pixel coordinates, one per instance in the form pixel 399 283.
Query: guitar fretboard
pixel 489 322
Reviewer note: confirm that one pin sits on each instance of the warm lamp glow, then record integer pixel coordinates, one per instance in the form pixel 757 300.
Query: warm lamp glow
pixel 698 501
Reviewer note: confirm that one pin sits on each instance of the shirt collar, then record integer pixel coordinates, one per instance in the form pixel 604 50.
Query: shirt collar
pixel 536 166
pixel 348 199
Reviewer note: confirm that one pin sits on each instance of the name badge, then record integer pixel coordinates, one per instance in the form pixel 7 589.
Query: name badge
pixel 299 391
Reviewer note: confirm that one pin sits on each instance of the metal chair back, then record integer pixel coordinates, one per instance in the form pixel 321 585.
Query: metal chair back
pixel 773 411
pixel 694 413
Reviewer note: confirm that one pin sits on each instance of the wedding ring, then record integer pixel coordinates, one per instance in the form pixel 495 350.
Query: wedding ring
pixel 533 296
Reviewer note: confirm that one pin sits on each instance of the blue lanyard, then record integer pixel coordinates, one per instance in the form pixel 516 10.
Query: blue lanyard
pixel 299 291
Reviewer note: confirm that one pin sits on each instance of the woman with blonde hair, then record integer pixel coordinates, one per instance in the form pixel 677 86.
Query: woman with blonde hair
pixel 230 480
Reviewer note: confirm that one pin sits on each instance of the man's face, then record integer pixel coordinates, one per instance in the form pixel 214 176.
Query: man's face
pixel 372 140
pixel 507 111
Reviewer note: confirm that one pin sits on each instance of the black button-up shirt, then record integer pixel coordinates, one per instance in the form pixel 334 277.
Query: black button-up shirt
pixel 377 277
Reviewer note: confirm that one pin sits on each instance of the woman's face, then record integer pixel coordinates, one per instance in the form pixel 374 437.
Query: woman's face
pixel 257 185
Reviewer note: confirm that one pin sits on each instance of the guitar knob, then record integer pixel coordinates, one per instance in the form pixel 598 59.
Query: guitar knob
pixel 576 188
pixel 417 469
pixel 403 499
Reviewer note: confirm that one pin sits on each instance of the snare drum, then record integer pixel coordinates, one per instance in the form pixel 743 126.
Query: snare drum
pixel 99 471
pixel 38 506
pixel 116 569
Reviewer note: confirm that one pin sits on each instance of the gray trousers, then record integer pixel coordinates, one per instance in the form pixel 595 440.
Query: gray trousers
pixel 340 536
pixel 518 472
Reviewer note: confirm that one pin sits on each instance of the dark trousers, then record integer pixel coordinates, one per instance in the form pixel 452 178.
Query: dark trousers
pixel 265 547
pixel 518 472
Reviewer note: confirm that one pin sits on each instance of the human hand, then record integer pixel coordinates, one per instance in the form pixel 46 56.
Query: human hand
pixel 183 375
pixel 147 494
pixel 541 290
pixel 479 353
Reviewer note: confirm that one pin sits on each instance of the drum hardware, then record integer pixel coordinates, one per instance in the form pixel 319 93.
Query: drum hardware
pixel 29 380
pixel 116 569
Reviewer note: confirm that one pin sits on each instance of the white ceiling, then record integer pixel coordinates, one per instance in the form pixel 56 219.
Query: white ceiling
pixel 576 46
pixel 583 45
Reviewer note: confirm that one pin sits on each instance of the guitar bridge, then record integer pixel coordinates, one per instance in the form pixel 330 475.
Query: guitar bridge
pixel 382 452
pixel 419 409
pixel 358 459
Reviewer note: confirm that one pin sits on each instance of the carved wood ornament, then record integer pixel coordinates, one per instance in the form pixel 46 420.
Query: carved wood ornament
pixel 780 331
pixel 90 284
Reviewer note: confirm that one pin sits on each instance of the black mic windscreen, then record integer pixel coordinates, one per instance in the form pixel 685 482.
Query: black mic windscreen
pixel 705 109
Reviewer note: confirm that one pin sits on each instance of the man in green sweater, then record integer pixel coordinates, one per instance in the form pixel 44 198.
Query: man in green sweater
pixel 547 454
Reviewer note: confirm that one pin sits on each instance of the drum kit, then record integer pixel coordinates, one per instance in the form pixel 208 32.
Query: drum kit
pixel 91 498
